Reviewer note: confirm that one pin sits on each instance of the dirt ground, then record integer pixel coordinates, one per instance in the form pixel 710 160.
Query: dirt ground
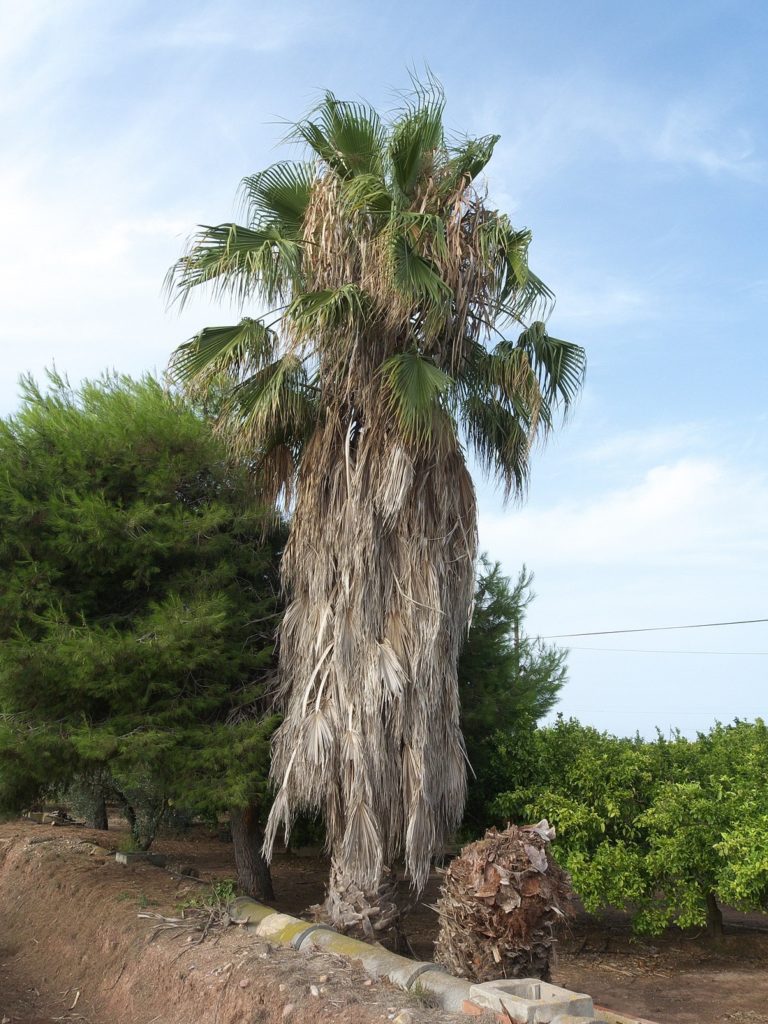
pixel 677 979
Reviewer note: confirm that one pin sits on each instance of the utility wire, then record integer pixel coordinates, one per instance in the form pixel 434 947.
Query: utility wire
pixel 646 650
pixel 652 629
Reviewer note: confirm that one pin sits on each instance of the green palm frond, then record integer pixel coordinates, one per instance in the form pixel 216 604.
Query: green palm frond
pixel 270 417
pixel 425 230
pixel 279 194
pixel 416 135
pixel 519 292
pixel 348 136
pixel 416 277
pixel 559 365
pixel 535 299
pixel 366 193
pixel 276 404
pixel 415 387
pixel 235 351
pixel 329 309
pixel 499 439
pixel 469 159
pixel 502 373
pixel 239 262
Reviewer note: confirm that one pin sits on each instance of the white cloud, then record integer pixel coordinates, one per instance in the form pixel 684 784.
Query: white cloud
pixel 693 513
pixel 703 136
pixel 576 120
pixel 684 543
pixel 601 301
pixel 81 283
pixel 267 28
pixel 649 443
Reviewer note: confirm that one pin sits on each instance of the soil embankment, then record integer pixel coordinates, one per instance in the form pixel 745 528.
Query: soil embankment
pixel 69 924
pixel 72 948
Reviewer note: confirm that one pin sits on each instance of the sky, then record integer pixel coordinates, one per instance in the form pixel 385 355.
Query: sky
pixel 633 144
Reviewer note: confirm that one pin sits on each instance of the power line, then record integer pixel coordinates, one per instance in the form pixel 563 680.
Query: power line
pixel 646 650
pixel 660 714
pixel 653 629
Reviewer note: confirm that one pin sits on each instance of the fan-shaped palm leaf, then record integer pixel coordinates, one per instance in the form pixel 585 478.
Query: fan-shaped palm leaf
pixel 347 136
pixel 279 195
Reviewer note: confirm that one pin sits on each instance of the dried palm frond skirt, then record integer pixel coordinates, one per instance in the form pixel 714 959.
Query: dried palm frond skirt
pixel 502 903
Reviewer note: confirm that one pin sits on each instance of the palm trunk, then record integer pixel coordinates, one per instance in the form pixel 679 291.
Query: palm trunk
pixel 369 914
pixel 253 875
pixel 380 571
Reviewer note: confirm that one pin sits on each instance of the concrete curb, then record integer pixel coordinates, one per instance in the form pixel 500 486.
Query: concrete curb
pixel 377 962
pixel 452 993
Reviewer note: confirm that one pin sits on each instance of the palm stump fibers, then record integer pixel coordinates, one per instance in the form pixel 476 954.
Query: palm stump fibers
pixel 502 904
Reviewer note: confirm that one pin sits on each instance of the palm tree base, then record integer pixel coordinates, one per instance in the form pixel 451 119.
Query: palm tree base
pixel 373 915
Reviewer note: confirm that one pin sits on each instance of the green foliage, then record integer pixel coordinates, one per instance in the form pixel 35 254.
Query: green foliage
pixel 664 828
pixel 138 608
pixel 219 896
pixel 508 682
pixel 129 845
pixel 382 260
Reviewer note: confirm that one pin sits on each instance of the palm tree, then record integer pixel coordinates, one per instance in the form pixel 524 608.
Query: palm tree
pixel 392 289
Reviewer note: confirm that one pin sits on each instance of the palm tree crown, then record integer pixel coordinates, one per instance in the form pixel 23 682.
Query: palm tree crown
pixel 393 290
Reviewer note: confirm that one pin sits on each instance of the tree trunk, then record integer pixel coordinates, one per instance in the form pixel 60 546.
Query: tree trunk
pixel 714 917
pixel 372 915
pixel 253 874
pixel 130 816
pixel 98 817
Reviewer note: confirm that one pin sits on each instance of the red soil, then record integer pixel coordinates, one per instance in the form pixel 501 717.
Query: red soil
pixel 68 923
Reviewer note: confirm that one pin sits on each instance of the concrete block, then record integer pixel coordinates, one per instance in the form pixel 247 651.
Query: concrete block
pixel 131 858
pixel 568 1018
pixel 530 1001
pixel 602 1013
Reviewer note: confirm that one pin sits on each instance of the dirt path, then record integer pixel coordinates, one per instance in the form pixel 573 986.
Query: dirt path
pixel 22 1003
pixel 678 979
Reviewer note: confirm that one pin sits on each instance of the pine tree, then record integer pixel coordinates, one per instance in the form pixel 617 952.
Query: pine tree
pixel 138 609
pixel 508 681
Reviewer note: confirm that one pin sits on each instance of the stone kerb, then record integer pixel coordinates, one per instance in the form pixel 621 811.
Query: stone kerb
pixel 522 1000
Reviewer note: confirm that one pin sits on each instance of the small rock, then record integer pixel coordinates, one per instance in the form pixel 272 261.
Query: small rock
pixel 314 990
pixel 287 1010
pixel 368 981
pixel 282 988
pixel 404 1017
pixel 244 983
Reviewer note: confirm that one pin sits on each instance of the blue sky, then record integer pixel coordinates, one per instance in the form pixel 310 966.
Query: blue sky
pixel 633 144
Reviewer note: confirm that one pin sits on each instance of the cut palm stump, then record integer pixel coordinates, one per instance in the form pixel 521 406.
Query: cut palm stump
pixel 502 903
